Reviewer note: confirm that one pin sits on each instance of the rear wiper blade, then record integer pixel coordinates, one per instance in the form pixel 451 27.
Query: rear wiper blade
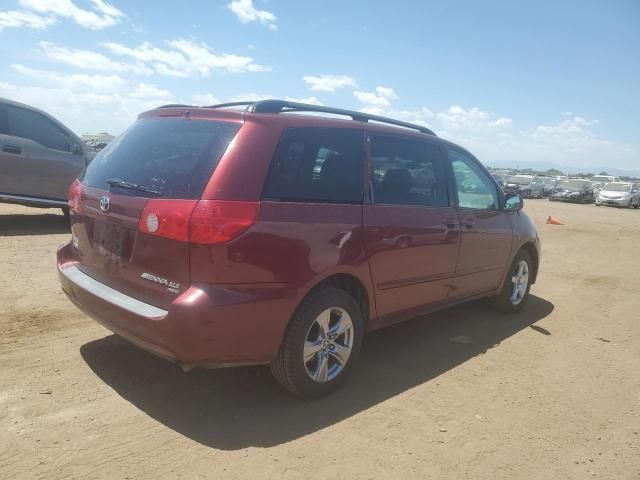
pixel 115 182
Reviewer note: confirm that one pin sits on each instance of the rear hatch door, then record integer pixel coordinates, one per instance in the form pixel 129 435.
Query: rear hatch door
pixel 155 159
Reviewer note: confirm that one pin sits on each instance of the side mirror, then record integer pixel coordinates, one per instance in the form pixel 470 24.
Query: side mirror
pixel 513 202
pixel 76 149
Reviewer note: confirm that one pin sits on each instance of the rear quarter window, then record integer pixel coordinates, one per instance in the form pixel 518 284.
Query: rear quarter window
pixel 172 156
pixel 317 165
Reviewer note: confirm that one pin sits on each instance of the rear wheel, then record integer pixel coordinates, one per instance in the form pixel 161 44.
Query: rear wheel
pixel 515 292
pixel 321 344
pixel 65 212
pixel 527 194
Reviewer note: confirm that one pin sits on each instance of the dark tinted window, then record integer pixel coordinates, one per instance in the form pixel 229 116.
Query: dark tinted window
pixel 475 189
pixel 317 165
pixel 172 156
pixel 28 124
pixel 407 172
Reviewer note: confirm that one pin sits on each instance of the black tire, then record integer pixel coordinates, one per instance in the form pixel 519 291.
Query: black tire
pixel 288 368
pixel 65 212
pixel 502 302
pixel 527 194
pixel 637 204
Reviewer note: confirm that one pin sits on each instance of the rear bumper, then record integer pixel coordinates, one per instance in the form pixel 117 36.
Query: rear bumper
pixel 207 325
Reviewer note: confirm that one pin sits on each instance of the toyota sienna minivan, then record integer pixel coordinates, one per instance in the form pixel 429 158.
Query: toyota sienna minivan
pixel 242 234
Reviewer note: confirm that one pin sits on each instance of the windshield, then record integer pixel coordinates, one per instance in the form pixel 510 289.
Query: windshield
pixel 166 157
pixel 599 179
pixel 618 187
pixel 572 185
pixel 520 180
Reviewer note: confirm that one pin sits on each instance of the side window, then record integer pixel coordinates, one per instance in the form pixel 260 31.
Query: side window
pixel 407 172
pixel 323 165
pixel 27 124
pixel 475 190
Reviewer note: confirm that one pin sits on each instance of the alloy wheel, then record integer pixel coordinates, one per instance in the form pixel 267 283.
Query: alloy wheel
pixel 328 345
pixel 520 282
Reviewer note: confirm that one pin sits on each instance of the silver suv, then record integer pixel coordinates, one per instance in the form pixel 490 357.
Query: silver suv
pixel 39 157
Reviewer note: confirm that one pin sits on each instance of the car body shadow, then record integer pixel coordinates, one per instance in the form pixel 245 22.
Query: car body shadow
pixel 236 408
pixel 40 224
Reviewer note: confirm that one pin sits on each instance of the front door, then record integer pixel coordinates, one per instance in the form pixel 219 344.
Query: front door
pixel 486 233
pixel 411 229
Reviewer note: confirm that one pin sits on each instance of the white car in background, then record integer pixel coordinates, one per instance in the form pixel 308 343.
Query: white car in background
pixel 619 194
pixel 599 181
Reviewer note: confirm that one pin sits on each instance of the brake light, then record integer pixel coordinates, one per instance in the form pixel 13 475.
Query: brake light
pixel 75 196
pixel 167 218
pixel 218 221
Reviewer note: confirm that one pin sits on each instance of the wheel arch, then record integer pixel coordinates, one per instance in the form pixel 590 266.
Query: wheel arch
pixel 531 249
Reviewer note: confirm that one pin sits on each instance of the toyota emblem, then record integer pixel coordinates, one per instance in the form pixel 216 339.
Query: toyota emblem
pixel 104 204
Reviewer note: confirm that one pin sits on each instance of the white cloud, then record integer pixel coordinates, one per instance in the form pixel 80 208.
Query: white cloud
pixel 76 82
pixel 251 97
pixel 21 18
pixel 205 99
pixel 247 12
pixel 571 144
pixel 102 16
pixel 379 102
pixel 329 83
pixel 90 60
pixel 460 122
pixel 186 57
pixel 307 100
pixel 86 103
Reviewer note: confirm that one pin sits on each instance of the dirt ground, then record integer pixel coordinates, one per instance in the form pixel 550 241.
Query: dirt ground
pixel 551 393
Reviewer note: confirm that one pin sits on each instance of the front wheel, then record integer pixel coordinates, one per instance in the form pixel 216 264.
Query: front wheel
pixel 515 291
pixel 321 344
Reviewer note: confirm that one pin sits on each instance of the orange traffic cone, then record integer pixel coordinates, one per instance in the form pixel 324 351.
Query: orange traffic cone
pixel 553 221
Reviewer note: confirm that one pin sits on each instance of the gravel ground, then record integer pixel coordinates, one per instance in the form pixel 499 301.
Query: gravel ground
pixel 550 393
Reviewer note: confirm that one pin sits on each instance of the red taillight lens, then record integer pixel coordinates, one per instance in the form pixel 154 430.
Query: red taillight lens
pixel 167 218
pixel 217 221
pixel 75 196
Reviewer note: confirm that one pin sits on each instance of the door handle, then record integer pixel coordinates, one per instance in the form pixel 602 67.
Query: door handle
pixel 11 149
pixel 468 223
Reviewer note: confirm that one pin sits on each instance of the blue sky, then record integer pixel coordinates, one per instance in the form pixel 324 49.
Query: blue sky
pixel 526 83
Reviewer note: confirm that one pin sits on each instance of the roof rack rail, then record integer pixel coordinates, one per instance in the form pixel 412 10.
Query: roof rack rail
pixel 283 106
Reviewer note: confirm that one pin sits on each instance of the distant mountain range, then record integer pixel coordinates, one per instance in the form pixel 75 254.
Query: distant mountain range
pixel 542 166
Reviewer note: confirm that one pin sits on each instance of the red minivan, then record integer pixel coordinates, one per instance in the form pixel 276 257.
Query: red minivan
pixel 264 234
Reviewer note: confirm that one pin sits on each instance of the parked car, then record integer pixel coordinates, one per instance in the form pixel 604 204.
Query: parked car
pixel 548 185
pixel 619 194
pixel 39 157
pixel 210 236
pixel 599 181
pixel 528 186
pixel 573 190
pixel 498 179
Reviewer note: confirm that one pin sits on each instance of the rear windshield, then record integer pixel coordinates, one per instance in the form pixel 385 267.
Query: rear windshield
pixel 171 156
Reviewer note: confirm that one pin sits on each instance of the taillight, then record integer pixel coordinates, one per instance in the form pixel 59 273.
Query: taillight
pixel 75 196
pixel 167 218
pixel 205 221
pixel 218 221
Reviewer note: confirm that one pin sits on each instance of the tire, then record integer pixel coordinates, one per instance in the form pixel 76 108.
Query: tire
pixel 289 368
pixel 65 212
pixel 506 301
pixel 527 194
pixel 637 204
pixel 630 204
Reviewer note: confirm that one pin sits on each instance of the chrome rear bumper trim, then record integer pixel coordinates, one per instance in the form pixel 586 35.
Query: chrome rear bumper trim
pixel 111 295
